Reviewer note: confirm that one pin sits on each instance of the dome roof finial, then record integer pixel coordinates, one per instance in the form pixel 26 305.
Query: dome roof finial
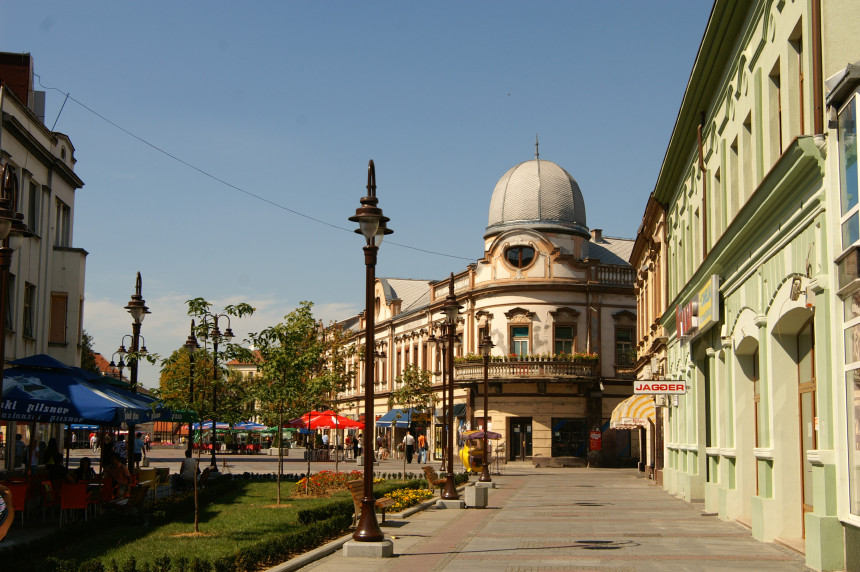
pixel 537 147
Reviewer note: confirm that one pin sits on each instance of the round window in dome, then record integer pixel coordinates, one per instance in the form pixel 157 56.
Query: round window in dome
pixel 520 256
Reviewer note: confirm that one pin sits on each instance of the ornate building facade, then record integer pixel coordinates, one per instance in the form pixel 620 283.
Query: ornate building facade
pixel 555 298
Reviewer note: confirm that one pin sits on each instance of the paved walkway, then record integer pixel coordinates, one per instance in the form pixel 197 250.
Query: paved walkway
pixel 565 519
pixel 537 519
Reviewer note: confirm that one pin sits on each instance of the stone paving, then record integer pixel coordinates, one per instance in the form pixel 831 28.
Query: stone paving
pixel 543 519
pixel 566 519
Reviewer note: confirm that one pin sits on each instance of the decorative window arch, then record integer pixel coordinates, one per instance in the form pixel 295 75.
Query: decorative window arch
pixel 519 330
pixel 564 330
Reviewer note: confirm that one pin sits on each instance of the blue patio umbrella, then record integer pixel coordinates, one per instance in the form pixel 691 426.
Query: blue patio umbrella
pixel 249 426
pixel 58 395
pixel 207 426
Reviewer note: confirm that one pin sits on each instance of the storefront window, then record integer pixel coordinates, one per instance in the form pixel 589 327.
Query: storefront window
pixel 853 382
pixel 848 173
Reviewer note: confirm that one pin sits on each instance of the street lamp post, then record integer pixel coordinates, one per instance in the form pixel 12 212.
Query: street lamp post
pixel 486 348
pixel 12 229
pixel 372 225
pixel 138 310
pixel 216 335
pixel 191 346
pixel 451 309
pixel 118 366
pixel 439 343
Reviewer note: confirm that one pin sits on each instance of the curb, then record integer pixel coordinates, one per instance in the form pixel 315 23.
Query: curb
pixel 330 548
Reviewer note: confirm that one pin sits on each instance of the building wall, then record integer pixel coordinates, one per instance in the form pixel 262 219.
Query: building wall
pixel 43 162
pixel 746 183
pixel 46 283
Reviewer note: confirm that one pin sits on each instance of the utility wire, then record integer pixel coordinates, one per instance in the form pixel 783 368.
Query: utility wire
pixel 220 180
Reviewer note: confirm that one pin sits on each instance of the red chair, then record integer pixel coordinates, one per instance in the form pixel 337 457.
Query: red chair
pixel 20 497
pixel 51 491
pixel 107 490
pixel 74 497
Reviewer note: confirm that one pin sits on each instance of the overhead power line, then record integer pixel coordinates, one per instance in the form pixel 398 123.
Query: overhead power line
pixel 227 184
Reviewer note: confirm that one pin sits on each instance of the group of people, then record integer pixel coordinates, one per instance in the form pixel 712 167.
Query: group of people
pixel 407 447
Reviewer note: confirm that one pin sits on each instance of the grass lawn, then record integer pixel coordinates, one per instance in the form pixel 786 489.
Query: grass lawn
pixel 245 515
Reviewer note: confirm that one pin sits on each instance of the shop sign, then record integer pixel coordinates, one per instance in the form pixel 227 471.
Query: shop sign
pixel 661 386
pixel 595 440
pixel 687 319
pixel 708 299
pixel 700 313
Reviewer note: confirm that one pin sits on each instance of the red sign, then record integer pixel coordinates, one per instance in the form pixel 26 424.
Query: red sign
pixel 655 386
pixel 594 440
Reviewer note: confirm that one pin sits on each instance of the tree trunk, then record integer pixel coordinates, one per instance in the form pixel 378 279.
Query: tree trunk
pixel 280 451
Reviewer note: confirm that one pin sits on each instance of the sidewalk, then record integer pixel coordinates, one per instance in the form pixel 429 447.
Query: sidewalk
pixel 563 519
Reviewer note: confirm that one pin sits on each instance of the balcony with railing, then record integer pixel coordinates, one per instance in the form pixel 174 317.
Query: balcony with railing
pixel 530 368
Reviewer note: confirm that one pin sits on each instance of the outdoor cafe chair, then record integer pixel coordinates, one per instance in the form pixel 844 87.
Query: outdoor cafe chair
pixel 51 492
pixel 74 497
pixel 20 497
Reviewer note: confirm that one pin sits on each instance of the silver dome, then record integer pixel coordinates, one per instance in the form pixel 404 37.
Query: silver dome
pixel 539 195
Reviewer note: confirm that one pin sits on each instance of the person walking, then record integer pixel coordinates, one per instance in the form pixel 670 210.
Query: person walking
pixel 422 448
pixel 409 445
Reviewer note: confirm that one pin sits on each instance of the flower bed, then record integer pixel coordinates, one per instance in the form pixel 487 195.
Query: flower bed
pixel 405 498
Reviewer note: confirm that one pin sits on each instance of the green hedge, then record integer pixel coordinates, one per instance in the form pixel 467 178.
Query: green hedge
pixel 319 525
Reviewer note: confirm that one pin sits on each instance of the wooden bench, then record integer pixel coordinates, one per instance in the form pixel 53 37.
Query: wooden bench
pixel 433 479
pixel 357 489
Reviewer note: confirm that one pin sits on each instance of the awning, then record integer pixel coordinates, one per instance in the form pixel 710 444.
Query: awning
pixel 459 410
pixel 401 418
pixel 633 412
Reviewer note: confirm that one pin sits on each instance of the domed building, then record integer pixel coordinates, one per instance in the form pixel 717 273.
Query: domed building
pixel 557 301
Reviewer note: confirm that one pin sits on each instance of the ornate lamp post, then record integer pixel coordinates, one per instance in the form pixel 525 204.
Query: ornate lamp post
pixel 118 366
pixel 12 229
pixel 451 309
pixel 191 346
pixel 216 335
pixel 138 310
pixel 486 347
pixel 372 225
pixel 439 343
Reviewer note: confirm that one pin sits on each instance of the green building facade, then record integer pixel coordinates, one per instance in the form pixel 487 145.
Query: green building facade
pixel 759 316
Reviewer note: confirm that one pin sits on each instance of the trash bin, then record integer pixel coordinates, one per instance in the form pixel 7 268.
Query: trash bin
pixel 477 497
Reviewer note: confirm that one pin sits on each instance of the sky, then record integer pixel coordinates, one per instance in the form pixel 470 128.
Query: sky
pixel 224 145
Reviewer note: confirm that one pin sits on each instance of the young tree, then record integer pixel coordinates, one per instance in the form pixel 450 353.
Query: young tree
pixel 176 382
pixel 293 376
pixel 88 355
pixel 414 391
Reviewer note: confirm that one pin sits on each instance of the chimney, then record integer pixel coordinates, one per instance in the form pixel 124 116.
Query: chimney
pixel 597 234
pixel 16 72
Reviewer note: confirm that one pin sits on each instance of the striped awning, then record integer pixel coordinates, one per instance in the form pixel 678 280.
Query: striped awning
pixel 633 412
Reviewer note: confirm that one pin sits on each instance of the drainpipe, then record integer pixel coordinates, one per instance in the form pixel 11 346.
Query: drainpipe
pixel 699 131
pixel 817 82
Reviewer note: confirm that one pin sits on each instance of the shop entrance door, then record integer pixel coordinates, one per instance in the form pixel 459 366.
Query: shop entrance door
pixel 521 438
pixel 806 386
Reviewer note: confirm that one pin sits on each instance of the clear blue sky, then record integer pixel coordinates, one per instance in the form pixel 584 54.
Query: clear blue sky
pixel 223 145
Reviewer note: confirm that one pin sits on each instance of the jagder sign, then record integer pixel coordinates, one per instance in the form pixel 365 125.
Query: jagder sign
pixel 659 386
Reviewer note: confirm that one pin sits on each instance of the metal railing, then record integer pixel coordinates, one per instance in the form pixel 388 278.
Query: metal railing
pixel 526 369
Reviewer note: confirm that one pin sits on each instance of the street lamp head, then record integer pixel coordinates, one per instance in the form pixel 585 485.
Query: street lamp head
pixel 191 343
pixel 487 346
pixel 137 306
pixel 121 351
pixel 371 221
pixel 451 308
pixel 228 333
